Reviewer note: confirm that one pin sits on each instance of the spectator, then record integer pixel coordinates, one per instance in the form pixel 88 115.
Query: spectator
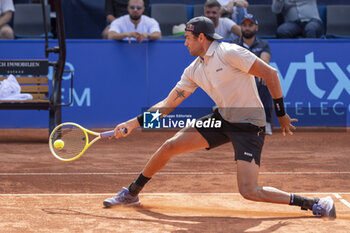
pixel 223 26
pixel 301 18
pixel 260 48
pixel 115 9
pixel 233 8
pixel 6 12
pixel 135 25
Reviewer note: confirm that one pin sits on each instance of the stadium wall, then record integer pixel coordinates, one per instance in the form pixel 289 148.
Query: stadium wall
pixel 113 80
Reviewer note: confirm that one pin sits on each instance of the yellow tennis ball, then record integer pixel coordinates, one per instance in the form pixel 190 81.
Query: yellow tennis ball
pixel 58 144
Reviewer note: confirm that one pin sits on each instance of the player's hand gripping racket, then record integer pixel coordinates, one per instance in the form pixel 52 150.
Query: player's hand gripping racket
pixel 68 141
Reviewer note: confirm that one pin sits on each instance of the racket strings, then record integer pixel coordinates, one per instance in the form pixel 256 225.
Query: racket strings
pixel 74 141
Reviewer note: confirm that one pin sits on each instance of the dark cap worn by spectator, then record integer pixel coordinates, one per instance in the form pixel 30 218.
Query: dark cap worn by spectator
pixel 251 18
pixel 203 25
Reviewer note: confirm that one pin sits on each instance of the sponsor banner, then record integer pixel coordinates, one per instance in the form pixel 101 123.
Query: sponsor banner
pixel 315 80
pixel 24 67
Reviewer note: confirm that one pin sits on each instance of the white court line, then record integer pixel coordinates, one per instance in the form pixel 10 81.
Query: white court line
pixel 148 194
pixel 345 202
pixel 163 173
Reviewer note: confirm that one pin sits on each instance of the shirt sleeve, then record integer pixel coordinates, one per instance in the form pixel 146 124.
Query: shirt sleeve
pixel 186 83
pixel 8 6
pixel 229 23
pixel 154 26
pixel 115 25
pixel 239 57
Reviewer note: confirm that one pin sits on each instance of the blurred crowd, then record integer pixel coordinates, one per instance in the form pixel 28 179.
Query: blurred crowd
pixel 134 20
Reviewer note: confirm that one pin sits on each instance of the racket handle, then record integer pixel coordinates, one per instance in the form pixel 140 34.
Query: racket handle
pixel 111 133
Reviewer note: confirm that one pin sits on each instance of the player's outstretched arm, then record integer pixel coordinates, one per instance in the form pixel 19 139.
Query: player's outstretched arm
pixel 262 70
pixel 175 97
pixel 166 106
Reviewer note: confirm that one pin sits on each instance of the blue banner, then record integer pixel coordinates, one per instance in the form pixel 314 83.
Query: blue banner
pixel 113 80
pixel 315 80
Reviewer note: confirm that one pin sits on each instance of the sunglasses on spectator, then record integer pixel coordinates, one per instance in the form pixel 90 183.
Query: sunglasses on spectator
pixel 135 7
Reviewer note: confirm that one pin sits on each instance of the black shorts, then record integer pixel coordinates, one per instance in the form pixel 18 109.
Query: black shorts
pixel 247 139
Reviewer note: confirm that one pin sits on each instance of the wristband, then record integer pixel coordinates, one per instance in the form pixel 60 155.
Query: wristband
pixel 279 107
pixel 140 119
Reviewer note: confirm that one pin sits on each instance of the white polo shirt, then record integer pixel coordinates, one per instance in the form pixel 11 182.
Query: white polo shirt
pixel 123 24
pixel 223 75
pixel 6 5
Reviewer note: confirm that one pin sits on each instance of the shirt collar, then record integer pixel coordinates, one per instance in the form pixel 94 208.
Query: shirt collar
pixel 210 51
pixel 241 42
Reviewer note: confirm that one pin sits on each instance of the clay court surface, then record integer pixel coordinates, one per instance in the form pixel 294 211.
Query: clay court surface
pixel 196 192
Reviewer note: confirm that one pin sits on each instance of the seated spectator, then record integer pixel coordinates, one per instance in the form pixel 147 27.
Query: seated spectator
pixel 301 18
pixel 115 9
pixel 260 48
pixel 223 26
pixel 135 25
pixel 233 8
pixel 6 11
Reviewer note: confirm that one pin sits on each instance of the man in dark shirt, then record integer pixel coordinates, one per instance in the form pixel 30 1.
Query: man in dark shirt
pixel 116 8
pixel 260 48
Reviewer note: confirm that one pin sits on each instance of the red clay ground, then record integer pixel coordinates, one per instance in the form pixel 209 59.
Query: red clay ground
pixel 196 192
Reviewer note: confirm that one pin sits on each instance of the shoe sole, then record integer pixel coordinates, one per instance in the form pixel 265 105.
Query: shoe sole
pixel 108 204
pixel 332 213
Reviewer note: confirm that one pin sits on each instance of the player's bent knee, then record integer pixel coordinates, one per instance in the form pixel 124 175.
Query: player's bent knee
pixel 169 147
pixel 249 193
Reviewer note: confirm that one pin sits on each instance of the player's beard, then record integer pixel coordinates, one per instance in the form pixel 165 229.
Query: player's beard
pixel 248 34
pixel 136 17
pixel 195 52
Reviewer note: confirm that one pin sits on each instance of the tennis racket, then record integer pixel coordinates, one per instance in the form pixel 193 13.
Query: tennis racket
pixel 68 141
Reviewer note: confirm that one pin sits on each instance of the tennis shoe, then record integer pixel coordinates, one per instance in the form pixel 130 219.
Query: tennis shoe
pixel 324 208
pixel 122 198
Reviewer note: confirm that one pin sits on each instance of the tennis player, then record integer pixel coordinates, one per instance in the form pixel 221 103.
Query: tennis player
pixel 226 73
